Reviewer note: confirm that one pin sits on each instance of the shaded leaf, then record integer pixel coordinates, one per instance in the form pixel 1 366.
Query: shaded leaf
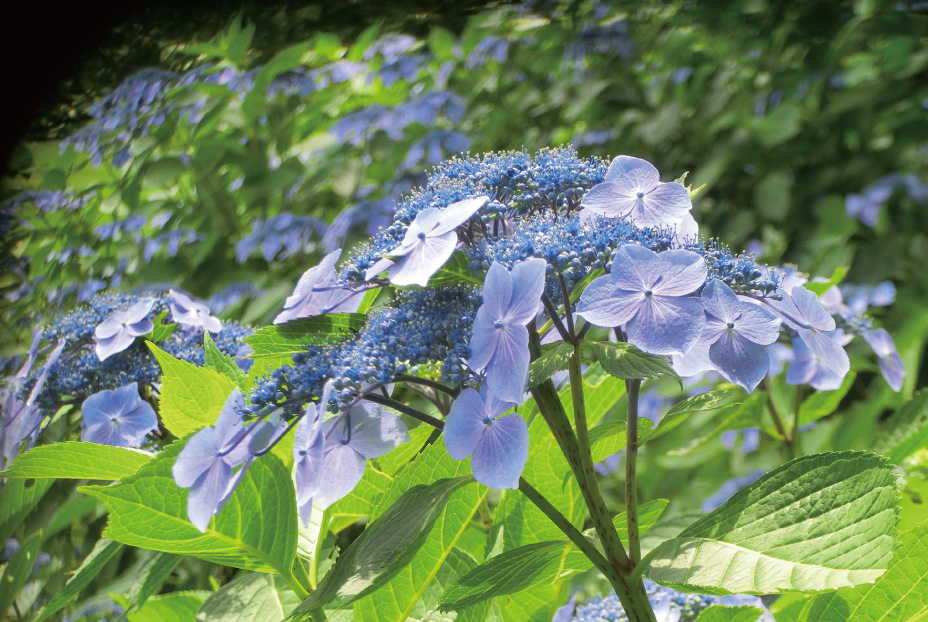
pixel 608 438
pixel 625 361
pixel 254 597
pixel 173 607
pixel 553 359
pixel 823 403
pixel 103 551
pixel 285 340
pixel 17 570
pixel 907 430
pixel 720 613
pixel 679 412
pixel 17 498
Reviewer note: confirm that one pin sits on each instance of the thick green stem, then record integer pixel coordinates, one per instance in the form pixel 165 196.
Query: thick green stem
pixel 631 479
pixel 794 433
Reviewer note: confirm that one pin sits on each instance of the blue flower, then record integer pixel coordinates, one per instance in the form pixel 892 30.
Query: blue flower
pixel 356 436
pixel 429 242
pixel 633 190
pixel 890 362
pixel 309 453
pixel 806 368
pixel 498 446
pixel 118 331
pixel 317 293
pixel 499 343
pixel 646 291
pixel 804 313
pixel 206 463
pixel 737 333
pixel 119 417
pixel 185 310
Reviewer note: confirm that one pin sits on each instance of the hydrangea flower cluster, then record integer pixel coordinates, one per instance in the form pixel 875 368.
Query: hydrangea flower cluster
pixel 528 230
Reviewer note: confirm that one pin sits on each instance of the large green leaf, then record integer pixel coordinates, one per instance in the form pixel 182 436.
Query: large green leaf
pixel 816 523
pixel 536 564
pixel 103 551
pixel 191 397
pixel 385 547
pixel 907 430
pixel 254 597
pixel 823 403
pixel 734 417
pixel 284 340
pixel 900 595
pixel 153 574
pixel 679 412
pixel 77 460
pixel 403 595
pixel 608 438
pixel 17 571
pixel 720 613
pixel 454 272
pixel 625 361
pixel 360 502
pixel 17 498
pixel 173 607
pixel 256 530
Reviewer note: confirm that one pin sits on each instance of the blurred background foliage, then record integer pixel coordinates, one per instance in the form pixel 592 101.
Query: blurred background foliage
pixel 226 154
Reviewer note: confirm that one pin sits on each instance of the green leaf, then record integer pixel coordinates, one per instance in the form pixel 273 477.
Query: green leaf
pixel 215 359
pixel 17 498
pixel 154 573
pixel 441 42
pixel 625 361
pixel 17 570
pixel 536 564
pixel 75 509
pixel 103 551
pixel 406 452
pixel 360 502
pixel 820 287
pixel 608 438
pixel 287 59
pixel 679 412
pixel 253 597
pixel 818 522
pixel 256 530
pixel 163 173
pixel 282 341
pixel 899 595
pixel 454 272
pixel 385 547
pixel 78 460
pixel 553 358
pixel 823 403
pixel 733 417
pixel 907 430
pixel 191 397
pixel 720 613
pixel 173 607
pixel 412 591
pixel 160 332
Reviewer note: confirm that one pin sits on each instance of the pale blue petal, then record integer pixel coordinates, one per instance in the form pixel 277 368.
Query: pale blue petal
pixel 423 260
pixel 696 361
pixel 633 174
pixel 483 340
pixel 306 511
pixel 464 426
pixel 494 405
pixel 233 483
pixel 499 457
pixel 664 205
pixel 528 284
pixel 757 324
pixel 713 330
pixel 103 433
pixel 197 456
pixel 603 304
pixel 308 456
pixel 230 429
pixel 106 348
pixel 889 360
pixel 378 267
pixel 507 372
pixel 812 310
pixel 682 272
pixel 636 268
pixel 138 311
pixel 802 366
pixel 458 213
pixel 720 301
pixel 667 325
pixel 829 354
pixel 497 292
pixel 110 327
pixel 608 200
pixel 739 360
pixel 375 435
pixel 207 494
pixel 342 469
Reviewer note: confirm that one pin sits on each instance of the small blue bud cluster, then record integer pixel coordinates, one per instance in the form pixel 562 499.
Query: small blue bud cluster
pixel 80 373
pixel 609 609
pixel 279 237
pixel 420 327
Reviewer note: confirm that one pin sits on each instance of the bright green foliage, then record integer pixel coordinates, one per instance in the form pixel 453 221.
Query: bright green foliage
pixel 385 547
pixel 625 361
pixel 553 358
pixel 191 397
pixel 174 607
pixel 733 417
pixel 678 413
pixel 256 530
pixel 907 430
pixel 900 595
pixel 16 571
pixel 216 360
pixel 823 403
pixel 252 597
pixel 103 551
pixel 77 460
pixel 153 575
pixel 819 522
pixel 608 438
pixel 719 613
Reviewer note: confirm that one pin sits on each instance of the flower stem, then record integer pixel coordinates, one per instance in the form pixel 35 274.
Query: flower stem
pixel 777 420
pixel 631 482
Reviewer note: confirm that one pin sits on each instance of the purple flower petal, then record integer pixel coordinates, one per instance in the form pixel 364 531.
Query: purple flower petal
pixel 376 433
pixel 889 360
pixel 603 304
pixel 419 261
pixel 464 426
pixel 458 213
pixel 507 372
pixel 343 468
pixel 739 360
pixel 665 204
pixel 207 493
pixel 633 173
pixel 117 417
pixel 829 353
pixel 501 453
pixel 667 325
pixel 608 200
pixel 528 284
pixel 197 456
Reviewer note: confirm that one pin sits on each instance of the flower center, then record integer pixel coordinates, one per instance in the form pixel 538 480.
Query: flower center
pixel 487 420
pixel 640 194
pixel 421 235
pixel 302 452
pixel 731 325
pixel 499 324
pixel 648 294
